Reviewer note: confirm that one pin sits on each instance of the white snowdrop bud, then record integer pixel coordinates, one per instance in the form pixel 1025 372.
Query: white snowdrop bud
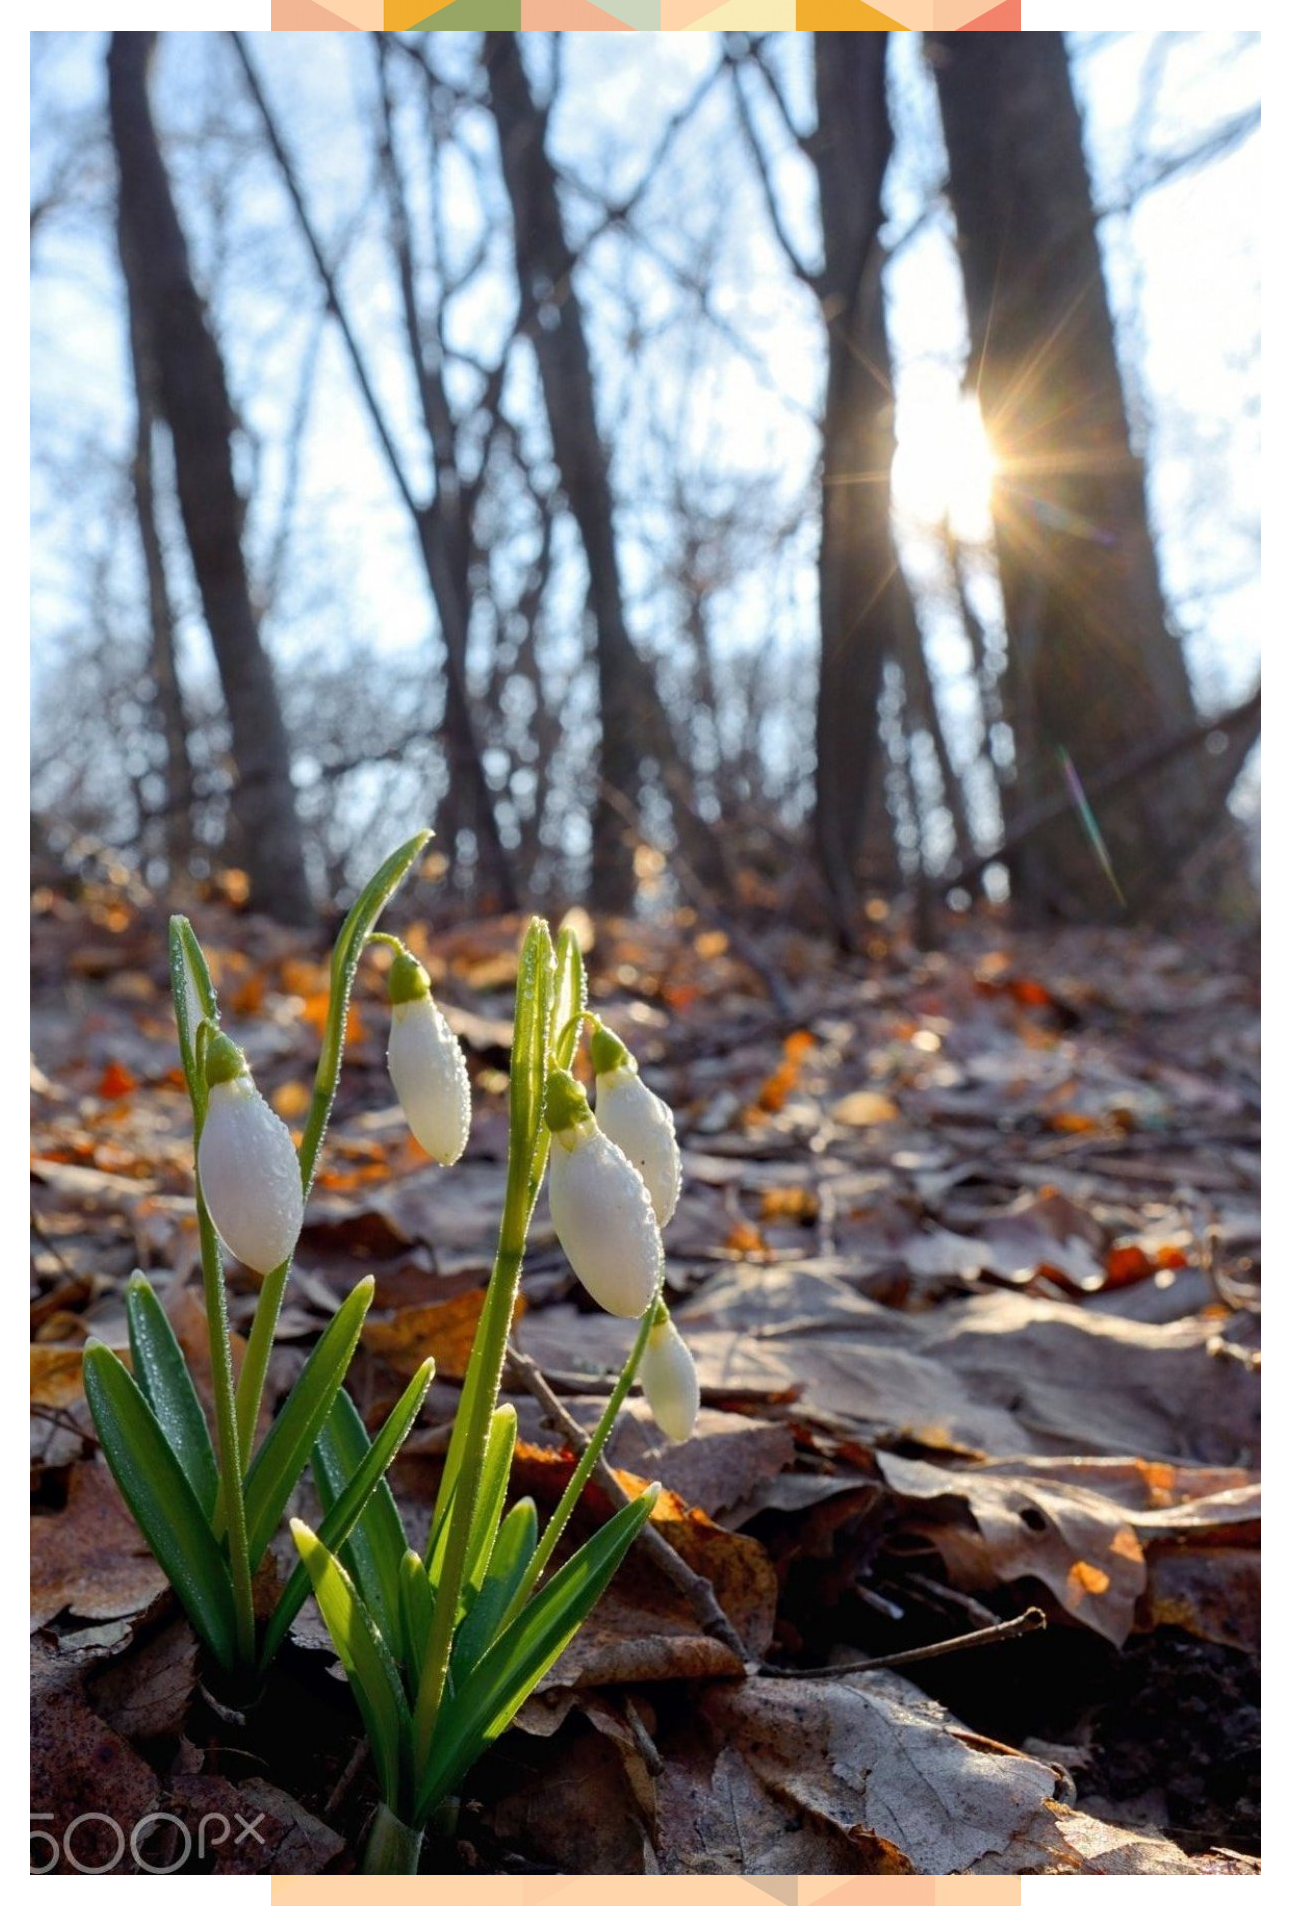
pixel 638 1121
pixel 668 1377
pixel 600 1206
pixel 247 1165
pixel 427 1067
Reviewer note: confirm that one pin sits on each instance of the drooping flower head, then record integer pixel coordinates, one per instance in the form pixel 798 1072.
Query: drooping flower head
pixel 638 1121
pixel 427 1067
pixel 247 1165
pixel 669 1379
pixel 600 1206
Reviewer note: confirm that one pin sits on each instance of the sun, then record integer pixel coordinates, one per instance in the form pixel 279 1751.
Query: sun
pixel 943 466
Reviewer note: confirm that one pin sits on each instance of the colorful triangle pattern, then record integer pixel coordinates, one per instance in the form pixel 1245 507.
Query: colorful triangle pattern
pixel 618 16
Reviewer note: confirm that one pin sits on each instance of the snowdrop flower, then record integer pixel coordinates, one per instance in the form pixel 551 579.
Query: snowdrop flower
pixel 247 1165
pixel 668 1376
pixel 600 1207
pixel 427 1068
pixel 638 1121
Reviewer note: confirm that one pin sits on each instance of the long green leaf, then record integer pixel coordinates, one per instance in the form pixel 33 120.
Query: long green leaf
pixel 528 1083
pixel 370 1668
pixel 355 929
pixel 490 1497
pixel 347 1513
pixel 569 997
pixel 375 1547
pixel 346 952
pixel 528 1079
pixel 417 1609
pixel 285 1451
pixel 194 997
pixel 161 1499
pixel 512 1552
pixel 167 1387
pixel 489 1696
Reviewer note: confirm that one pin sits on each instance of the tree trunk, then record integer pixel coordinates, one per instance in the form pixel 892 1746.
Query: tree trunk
pixel 177 810
pixel 194 400
pixel 862 589
pixel 633 720
pixel 1092 667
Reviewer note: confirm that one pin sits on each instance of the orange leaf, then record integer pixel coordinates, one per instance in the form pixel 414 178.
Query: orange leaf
pixel 117 1081
pixel 291 1100
pixel 864 1108
pixel 778 1087
pixel 444 1331
pixel 745 1237
pixel 1127 1264
pixel 250 996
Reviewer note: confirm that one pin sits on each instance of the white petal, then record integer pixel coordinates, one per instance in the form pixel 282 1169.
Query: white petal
pixel 251 1178
pixel 641 1125
pixel 668 1376
pixel 429 1074
pixel 603 1217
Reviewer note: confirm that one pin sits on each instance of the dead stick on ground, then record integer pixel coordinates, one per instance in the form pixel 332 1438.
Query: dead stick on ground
pixel 1024 1624
pixel 697 1590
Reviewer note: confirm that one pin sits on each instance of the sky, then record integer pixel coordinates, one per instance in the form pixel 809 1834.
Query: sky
pixel 1182 269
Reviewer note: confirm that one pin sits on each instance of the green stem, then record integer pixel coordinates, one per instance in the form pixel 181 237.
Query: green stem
pixel 582 1469
pixel 260 1343
pixel 255 1364
pixel 393 1846
pixel 230 1505
pixel 487 1355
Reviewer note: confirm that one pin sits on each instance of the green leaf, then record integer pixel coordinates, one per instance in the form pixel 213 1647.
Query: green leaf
pixel 488 1697
pixel 369 1666
pixel 355 928
pixel 191 987
pixel 494 1472
pixel 360 1505
pixel 161 1499
pixel 375 1548
pixel 490 1497
pixel 528 1082
pixel 167 1387
pixel 530 1038
pixel 285 1451
pixel 417 1609
pixel 570 996
pixel 512 1554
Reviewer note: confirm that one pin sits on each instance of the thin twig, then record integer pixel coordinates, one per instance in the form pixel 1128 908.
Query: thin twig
pixel 1024 1624
pixel 696 1588
pixel 344 1784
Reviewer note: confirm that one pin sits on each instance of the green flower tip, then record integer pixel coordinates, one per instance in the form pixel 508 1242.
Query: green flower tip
pixel 408 980
pixel 567 1102
pixel 609 1052
pixel 661 1317
pixel 224 1061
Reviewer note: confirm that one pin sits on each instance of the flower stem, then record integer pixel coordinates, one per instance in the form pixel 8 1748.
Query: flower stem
pixel 582 1469
pixel 393 1846
pixel 260 1342
pixel 487 1359
pixel 255 1364
pixel 230 1505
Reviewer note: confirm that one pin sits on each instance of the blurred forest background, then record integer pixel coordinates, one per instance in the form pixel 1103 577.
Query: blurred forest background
pixel 767 473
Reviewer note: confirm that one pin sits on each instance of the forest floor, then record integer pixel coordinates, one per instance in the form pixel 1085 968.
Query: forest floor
pixel 968 1257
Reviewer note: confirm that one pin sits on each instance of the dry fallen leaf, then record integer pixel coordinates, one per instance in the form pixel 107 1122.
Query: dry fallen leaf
pixel 444 1331
pixel 89 1558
